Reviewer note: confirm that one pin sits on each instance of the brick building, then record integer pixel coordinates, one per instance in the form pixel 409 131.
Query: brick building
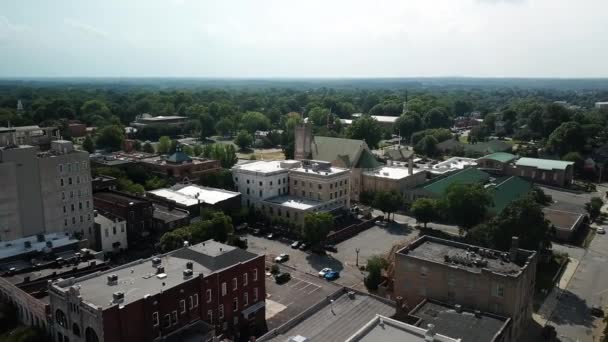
pixel 473 277
pixel 163 296
pixel 545 171
pixel 137 211
pixel 180 166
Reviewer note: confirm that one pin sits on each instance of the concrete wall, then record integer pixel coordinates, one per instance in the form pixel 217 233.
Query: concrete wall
pixel 375 183
pixel 255 187
pixel 108 232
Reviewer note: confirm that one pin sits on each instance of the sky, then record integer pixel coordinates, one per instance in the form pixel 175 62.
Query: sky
pixel 309 38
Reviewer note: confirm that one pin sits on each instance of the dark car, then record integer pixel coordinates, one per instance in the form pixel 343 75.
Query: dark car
pixel 282 277
pixel 597 311
pixel 303 247
pixel 257 232
pixel 295 245
pixel 331 248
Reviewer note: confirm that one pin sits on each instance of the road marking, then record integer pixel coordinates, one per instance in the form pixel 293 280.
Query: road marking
pixel 296 284
pixel 302 289
pixel 315 289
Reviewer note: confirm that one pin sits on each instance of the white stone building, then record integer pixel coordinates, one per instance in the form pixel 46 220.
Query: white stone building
pixel 110 232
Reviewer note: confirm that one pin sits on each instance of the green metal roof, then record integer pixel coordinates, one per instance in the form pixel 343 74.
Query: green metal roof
pixel 544 164
pixel 502 157
pixel 468 176
pixel 508 190
pixel 367 161
pixel 330 149
pixel 179 157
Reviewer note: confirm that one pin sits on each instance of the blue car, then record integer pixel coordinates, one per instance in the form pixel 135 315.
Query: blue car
pixel 332 275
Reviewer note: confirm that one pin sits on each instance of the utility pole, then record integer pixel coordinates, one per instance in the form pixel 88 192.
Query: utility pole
pixel 357 250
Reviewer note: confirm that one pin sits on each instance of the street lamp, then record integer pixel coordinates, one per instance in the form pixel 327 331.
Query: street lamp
pixel 357 250
pixel 331 302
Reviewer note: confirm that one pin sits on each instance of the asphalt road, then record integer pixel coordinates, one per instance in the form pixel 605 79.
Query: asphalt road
pixel 587 288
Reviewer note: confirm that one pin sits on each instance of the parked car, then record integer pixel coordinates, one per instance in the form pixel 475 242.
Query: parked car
pixel 601 230
pixel 331 248
pixel 332 275
pixel 303 247
pixel 282 277
pixel 282 257
pixel 270 236
pixel 295 245
pixel 324 271
pixel 380 223
pixel 597 311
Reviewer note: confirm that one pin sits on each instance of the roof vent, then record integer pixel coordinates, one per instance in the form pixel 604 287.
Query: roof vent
pixel 477 313
pixel 118 296
pixel 155 262
pixel 351 294
pixel 187 273
pixel 429 335
pixel 112 279
pixel 28 244
pixel 160 269
pixel 381 322
pixel 161 276
pixel 189 265
pixel 458 308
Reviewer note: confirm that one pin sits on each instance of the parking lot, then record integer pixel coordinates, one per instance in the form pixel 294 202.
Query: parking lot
pixel 287 300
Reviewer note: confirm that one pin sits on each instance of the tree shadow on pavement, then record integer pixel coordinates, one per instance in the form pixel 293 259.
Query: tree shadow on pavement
pixel 571 310
pixel 319 262
pixel 395 228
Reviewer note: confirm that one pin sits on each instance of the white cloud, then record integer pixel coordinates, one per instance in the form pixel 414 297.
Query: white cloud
pixel 85 29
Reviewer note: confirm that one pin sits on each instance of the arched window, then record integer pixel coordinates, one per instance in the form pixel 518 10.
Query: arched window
pixel 91 335
pixel 76 330
pixel 60 318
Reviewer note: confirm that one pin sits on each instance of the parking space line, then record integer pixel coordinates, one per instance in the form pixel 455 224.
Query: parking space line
pixel 296 284
pixel 302 289
pixel 315 289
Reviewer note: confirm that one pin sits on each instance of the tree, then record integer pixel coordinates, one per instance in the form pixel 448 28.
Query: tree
pixel 225 126
pixel 408 124
pixel 148 148
pixel 164 145
pixel 427 146
pixel 88 144
pixel 318 116
pixel 436 118
pixel 388 202
pixel 594 207
pixel 467 204
pixel 374 268
pixel 155 183
pixel 243 140
pixel 366 128
pixel 424 210
pixel 575 157
pixel 316 227
pixel 127 185
pixel 111 138
pixel 207 126
pixel 255 121
pixel 568 137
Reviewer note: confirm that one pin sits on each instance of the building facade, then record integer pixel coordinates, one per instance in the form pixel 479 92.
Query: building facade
pixel 159 297
pixel 46 191
pixel 180 166
pixel 473 277
pixel 110 232
pixel 136 211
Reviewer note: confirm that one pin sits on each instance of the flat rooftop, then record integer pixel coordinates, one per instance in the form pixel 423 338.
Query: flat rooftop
pixel 463 325
pixel 162 118
pixel 118 197
pixel 455 163
pixel 140 278
pixel 165 214
pixel 331 171
pixel 294 202
pixel 391 172
pixel 191 194
pixel 384 329
pixel 17 247
pixel 261 167
pixel 468 257
pixel 334 322
pixel 562 219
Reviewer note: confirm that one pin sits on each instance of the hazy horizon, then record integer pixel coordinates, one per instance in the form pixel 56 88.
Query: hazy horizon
pixel 272 39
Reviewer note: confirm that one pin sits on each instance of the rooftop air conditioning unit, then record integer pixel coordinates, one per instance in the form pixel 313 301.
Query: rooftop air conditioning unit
pixel 118 296
pixel 112 279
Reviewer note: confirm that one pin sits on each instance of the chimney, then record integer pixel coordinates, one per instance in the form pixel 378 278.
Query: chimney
pixel 458 308
pixel 400 306
pixel 514 248
pixel 429 335
pixel 410 165
pixel 189 265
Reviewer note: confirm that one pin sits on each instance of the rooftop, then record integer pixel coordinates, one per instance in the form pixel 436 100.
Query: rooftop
pixel 468 257
pixel 294 202
pixel 384 329
pixel 261 167
pixel 204 194
pixel 391 172
pixel 508 190
pixel 502 157
pixel 162 118
pixel 35 243
pixel 380 118
pixel 454 163
pixel 563 220
pixel 141 278
pixel 330 149
pixel 118 197
pixel 333 322
pixel 544 164
pixel 468 176
pixel 165 214
pixel 331 171
pixel 465 325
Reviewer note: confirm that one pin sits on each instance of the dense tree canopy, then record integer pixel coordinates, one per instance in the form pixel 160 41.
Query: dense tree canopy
pixel 316 227
pixel 366 128
pixel 467 204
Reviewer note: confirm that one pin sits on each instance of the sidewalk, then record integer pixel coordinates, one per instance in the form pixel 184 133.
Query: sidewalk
pixel 546 310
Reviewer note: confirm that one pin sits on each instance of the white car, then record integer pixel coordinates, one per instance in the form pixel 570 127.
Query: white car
pixel 324 271
pixel 601 230
pixel 282 257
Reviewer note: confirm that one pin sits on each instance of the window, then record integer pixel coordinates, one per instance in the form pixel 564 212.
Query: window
pixel 279 182
pixel 72 206
pixel 76 329
pixel 88 205
pixel 60 167
pixel 210 316
pixel 248 181
pixel 245 279
pixel 191 302
pixel 70 180
pixel 261 183
pixel 247 191
pixel 220 311
pixel 260 193
pixel 106 232
pixel 195 300
pixel 63 195
pixel 166 321
pixel 208 295
pixel 79 205
pixel 499 290
pixel 423 271
pixel 255 274
pixel 174 318
pixel 64 209
pixel 182 306
pixel 245 299
pixel 114 230
pixel 74 220
pixel 295 182
pixel 223 289
pixel 234 284
pixel 235 304
pixel 155 318
pixel 65 222
pixel 255 294
pixel 71 194
pixel 81 219
pixel 77 179
pixel 122 225
pixel 89 217
pixel 62 183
